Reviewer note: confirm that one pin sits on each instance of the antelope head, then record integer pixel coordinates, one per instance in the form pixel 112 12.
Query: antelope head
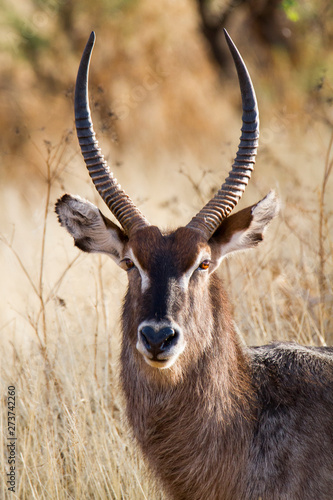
pixel 169 303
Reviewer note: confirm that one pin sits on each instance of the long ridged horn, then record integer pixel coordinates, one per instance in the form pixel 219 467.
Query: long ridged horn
pixel 122 207
pixel 218 208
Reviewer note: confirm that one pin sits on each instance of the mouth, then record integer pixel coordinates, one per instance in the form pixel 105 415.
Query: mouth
pixel 154 361
pixel 162 364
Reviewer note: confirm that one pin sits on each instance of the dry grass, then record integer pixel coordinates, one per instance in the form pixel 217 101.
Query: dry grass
pixel 59 309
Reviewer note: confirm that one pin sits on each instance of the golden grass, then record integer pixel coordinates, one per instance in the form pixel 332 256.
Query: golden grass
pixel 59 309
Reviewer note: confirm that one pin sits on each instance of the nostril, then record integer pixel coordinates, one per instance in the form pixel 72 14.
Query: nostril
pixel 170 337
pixel 145 341
pixel 147 336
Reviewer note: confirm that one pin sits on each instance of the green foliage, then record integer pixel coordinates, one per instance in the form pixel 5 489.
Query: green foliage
pixel 23 38
pixel 291 9
pixel 27 33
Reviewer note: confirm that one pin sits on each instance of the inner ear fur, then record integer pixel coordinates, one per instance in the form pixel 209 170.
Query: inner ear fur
pixel 91 230
pixel 244 229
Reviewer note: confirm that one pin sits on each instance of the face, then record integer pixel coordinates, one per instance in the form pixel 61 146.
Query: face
pixel 168 279
pixel 173 303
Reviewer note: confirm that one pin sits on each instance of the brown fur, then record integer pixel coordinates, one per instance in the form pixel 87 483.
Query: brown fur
pixel 184 417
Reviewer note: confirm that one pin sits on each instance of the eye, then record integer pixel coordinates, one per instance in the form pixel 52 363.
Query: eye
pixel 128 264
pixel 204 264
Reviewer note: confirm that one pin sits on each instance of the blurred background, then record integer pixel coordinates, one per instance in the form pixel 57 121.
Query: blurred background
pixel 167 111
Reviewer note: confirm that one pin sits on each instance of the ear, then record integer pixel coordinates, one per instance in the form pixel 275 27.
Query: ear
pixel 91 230
pixel 243 230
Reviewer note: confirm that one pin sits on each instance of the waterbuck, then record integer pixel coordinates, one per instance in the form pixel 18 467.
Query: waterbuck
pixel 215 419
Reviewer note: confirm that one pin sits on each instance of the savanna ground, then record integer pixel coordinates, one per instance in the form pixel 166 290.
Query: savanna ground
pixel 168 121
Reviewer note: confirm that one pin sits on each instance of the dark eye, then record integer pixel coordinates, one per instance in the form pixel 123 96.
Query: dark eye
pixel 204 264
pixel 128 264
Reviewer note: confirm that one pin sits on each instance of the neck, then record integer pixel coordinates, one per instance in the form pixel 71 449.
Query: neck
pixel 174 412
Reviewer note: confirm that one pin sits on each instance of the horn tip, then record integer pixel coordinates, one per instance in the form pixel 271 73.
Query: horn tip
pixel 230 42
pixel 228 37
pixel 92 39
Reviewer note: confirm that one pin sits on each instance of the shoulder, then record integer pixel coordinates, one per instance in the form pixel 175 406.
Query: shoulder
pixel 286 353
pixel 289 369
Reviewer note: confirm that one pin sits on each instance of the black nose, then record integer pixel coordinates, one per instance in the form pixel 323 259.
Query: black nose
pixel 158 341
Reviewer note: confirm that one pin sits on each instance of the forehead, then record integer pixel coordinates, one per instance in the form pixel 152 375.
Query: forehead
pixel 179 248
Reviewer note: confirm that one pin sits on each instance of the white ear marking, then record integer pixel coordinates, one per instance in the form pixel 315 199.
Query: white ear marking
pixel 266 209
pixel 92 232
pixel 246 235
